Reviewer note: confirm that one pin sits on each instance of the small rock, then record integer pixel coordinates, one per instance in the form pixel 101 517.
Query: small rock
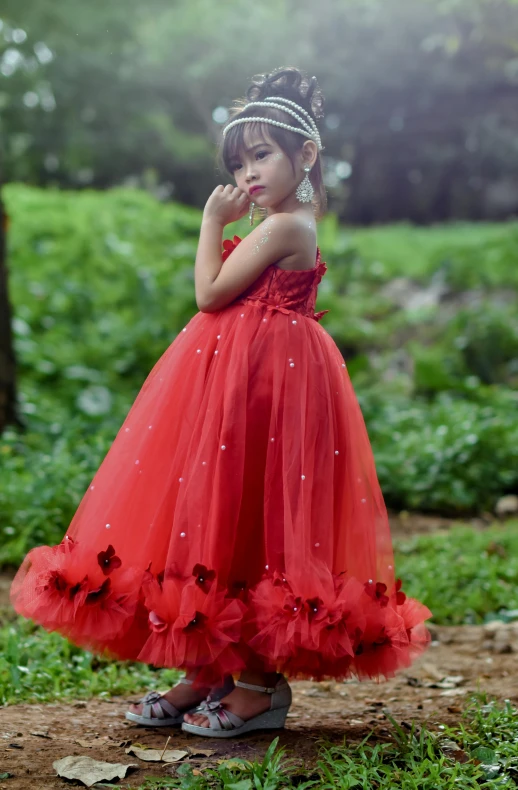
pixel 507 504
pixel 502 642
pixel 492 627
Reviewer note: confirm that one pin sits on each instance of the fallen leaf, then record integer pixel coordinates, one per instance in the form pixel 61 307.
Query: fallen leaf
pixel 89 771
pixel 432 670
pixel 156 755
pixel 201 752
pixel 102 740
pixel 448 682
pixel 453 692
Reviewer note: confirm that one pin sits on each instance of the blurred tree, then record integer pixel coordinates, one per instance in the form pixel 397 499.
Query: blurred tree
pixel 421 115
pixel 8 410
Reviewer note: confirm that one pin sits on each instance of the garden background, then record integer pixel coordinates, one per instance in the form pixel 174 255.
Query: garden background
pixel 109 115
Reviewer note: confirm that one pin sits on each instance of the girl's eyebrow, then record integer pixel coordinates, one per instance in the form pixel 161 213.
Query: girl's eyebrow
pixel 258 145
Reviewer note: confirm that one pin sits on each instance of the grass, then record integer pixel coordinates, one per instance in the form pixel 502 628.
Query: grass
pixel 478 581
pixel 479 752
pixel 37 666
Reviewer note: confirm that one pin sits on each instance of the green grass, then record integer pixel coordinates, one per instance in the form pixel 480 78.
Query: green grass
pixel 480 752
pixel 38 666
pixel 478 572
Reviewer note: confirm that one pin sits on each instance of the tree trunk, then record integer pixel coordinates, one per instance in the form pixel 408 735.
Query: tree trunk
pixel 8 412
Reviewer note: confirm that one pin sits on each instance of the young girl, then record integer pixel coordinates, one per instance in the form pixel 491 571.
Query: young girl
pixel 236 527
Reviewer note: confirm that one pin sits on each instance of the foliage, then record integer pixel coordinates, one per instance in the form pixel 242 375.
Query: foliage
pixel 39 666
pixel 479 573
pixel 94 96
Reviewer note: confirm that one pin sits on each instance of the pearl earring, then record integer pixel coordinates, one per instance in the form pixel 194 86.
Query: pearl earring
pixel 304 192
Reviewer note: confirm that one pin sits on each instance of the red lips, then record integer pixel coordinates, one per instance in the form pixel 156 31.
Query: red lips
pixel 253 189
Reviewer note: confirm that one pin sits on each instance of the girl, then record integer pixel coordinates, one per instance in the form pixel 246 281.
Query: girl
pixel 236 525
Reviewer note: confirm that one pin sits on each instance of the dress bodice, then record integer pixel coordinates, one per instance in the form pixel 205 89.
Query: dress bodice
pixel 286 290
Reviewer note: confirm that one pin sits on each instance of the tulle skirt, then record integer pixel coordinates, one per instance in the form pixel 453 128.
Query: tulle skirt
pixel 236 518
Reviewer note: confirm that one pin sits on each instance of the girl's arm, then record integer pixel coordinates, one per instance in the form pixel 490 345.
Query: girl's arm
pixel 217 284
pixel 208 258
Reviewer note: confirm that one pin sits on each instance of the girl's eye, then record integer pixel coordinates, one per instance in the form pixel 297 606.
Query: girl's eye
pixel 236 166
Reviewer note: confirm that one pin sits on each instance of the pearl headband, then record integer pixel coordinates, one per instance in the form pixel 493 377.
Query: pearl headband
pixel 310 129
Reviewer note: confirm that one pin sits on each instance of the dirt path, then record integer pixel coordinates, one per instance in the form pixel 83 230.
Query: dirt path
pixel 33 736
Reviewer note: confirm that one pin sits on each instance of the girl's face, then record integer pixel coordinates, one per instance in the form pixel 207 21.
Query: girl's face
pixel 264 163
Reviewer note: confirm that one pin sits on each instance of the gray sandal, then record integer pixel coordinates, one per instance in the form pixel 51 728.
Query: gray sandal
pixel 154 702
pixel 225 724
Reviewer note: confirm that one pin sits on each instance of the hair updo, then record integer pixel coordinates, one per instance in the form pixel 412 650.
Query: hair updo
pixel 292 84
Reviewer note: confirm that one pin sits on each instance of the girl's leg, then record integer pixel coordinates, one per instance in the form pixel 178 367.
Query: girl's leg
pixel 243 702
pixel 183 696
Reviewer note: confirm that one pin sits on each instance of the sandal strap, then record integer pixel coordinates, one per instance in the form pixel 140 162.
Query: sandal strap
pixel 251 687
pixel 153 701
pixel 220 718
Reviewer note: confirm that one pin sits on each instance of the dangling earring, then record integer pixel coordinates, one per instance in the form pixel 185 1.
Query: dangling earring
pixel 304 192
pixel 264 213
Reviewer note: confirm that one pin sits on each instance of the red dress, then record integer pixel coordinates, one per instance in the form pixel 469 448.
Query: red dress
pixel 237 510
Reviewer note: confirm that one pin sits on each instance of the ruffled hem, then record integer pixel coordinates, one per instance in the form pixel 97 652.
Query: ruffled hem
pixel 319 625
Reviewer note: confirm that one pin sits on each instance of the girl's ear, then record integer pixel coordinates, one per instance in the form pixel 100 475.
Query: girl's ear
pixel 309 153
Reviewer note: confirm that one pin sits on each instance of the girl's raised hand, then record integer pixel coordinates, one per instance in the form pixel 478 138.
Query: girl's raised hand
pixel 226 204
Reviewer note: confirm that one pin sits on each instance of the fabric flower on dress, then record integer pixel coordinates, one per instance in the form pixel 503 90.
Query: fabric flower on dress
pixel 192 627
pixel 229 245
pixel 333 625
pixel 66 590
pixel 108 561
pixel 204 577
pixel 377 592
pixel 306 624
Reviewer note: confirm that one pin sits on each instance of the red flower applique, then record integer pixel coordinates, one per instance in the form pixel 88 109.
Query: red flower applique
pixel 377 593
pixel 108 560
pixel 204 577
pixel 400 595
pixel 102 592
pixel 229 245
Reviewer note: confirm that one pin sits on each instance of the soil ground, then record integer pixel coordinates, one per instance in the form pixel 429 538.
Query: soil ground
pixel 461 659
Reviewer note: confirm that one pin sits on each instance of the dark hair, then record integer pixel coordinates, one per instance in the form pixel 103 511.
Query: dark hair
pixel 292 84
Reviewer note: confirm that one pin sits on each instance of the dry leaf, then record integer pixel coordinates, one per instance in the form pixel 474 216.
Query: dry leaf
pixel 453 692
pixel 448 682
pixel 89 771
pixel 432 670
pixel 156 755
pixel 201 752
pixel 102 740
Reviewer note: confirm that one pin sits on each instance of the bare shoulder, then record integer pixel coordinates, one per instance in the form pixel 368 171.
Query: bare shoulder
pixel 303 243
